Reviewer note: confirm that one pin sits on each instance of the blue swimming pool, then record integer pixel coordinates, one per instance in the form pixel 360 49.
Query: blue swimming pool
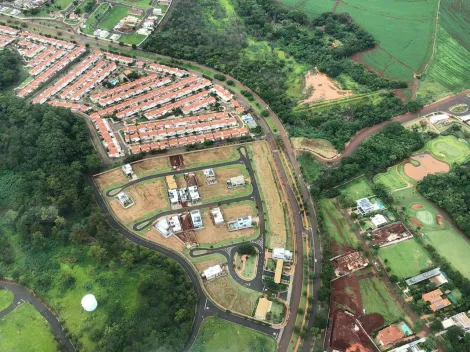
pixel 406 330
pixel 380 204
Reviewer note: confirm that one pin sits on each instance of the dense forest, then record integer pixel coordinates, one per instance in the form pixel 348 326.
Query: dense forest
pixel 451 192
pixel 10 69
pixel 268 47
pixel 392 144
pixel 55 240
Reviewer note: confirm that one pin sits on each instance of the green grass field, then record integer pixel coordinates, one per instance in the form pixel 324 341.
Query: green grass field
pixel 94 17
pixel 391 179
pixel 113 17
pixel 449 149
pixel 6 297
pixel 406 259
pixel 26 330
pixel 311 168
pixel 379 60
pixel 377 299
pixel 357 189
pixel 216 334
pixel 142 4
pixel 337 225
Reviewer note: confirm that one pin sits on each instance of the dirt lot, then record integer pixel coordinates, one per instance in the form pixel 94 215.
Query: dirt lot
pixel 315 145
pixel 151 165
pixel 215 155
pixel 324 88
pixel 171 242
pixel 232 296
pixel 263 165
pixel 148 197
pixel 416 206
pixel 203 265
pixel 211 234
pixel 346 335
pixel 427 165
pixel 220 188
pixel 115 176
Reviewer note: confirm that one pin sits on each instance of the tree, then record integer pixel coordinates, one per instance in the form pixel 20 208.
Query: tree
pixel 436 325
pixel 127 258
pixel 394 278
pixel 98 253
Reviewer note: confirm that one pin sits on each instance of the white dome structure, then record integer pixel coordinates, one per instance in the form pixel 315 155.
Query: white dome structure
pixel 89 303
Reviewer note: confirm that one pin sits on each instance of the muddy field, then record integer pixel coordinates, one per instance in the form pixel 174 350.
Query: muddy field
pixel 212 234
pixel 427 165
pixel 347 335
pixel 218 189
pixel 274 205
pixel 148 197
pixel 322 87
pixel 112 177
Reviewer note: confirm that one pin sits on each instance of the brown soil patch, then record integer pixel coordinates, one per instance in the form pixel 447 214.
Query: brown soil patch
pixel 338 249
pixel 428 165
pixel 215 155
pixel 115 176
pixel 201 266
pixel 171 242
pixel 274 205
pixel 347 292
pixel 439 220
pixel 147 166
pixel 416 222
pixel 147 197
pixel 212 234
pixel 347 336
pixel 416 206
pixel 372 321
pixel 218 189
pixel 324 88
pixel 315 145
pixel 231 295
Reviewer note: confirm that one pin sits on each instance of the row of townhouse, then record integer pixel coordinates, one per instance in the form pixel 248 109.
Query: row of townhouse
pixel 42 56
pixel 5 40
pixel 68 78
pixel 46 40
pixel 178 122
pixel 69 105
pixel 9 31
pixel 98 73
pixel 95 98
pixel 119 58
pixel 48 63
pixel 155 83
pixel 145 97
pixel 170 132
pixel 110 142
pixel 167 69
pixel 32 51
pixel 236 105
pixel 198 105
pixel 191 140
pixel 48 74
pixel 222 93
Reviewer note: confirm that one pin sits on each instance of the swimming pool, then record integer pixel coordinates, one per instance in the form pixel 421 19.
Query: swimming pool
pixel 406 330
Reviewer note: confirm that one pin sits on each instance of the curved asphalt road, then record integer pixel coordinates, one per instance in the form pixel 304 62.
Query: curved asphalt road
pixel 22 294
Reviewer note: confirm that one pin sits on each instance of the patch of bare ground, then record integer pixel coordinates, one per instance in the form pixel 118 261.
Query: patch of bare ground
pixel 315 145
pixel 270 187
pixel 212 234
pixel 203 265
pixel 147 197
pixel 218 189
pixel 427 165
pixel 170 242
pixel 215 155
pixel 322 87
pixel 108 178
pixel 147 166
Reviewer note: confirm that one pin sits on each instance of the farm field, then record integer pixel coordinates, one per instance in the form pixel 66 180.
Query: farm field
pixel 232 296
pixel 274 205
pixel 357 189
pixel 26 330
pixel 6 297
pixel 449 149
pixel 311 168
pixel 113 17
pixel 384 65
pixel 337 225
pixel 220 335
pixel 391 179
pixel 406 259
pixel 316 145
pixel 377 299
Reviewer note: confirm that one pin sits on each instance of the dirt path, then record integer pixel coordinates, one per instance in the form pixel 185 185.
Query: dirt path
pixel 336 5
pixel 434 39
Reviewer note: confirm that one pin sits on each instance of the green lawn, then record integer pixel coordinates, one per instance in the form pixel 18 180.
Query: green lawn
pixel 26 330
pixel 6 297
pixel 94 17
pixel 132 39
pixel 449 149
pixel 406 259
pixel 357 189
pixel 311 168
pixel 337 225
pixel 113 17
pixel 142 4
pixel 278 312
pixel 377 299
pixel 391 179
pixel 216 335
